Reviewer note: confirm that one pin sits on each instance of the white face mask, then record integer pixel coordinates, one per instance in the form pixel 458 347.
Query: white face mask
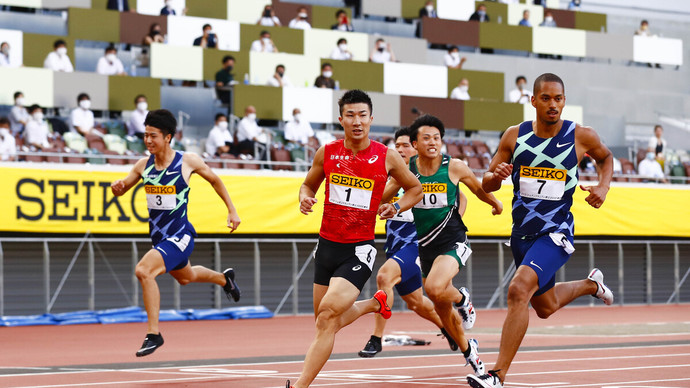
pixel 6 50
pixel 429 8
pixel 85 104
pixel 19 101
pixel 38 116
pixel 62 51
pixel 142 106
pixel 328 74
pixel 342 47
pixel 298 117
pixel 251 116
pixel 4 132
pixel 223 124
pixel 521 86
pixel 464 88
pixel 455 55
pixel 302 15
pixel 110 57
pixel 266 40
pixel 548 19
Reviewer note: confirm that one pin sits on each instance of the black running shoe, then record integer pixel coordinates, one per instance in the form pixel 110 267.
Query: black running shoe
pixel 230 287
pixel 451 341
pixel 372 347
pixel 151 343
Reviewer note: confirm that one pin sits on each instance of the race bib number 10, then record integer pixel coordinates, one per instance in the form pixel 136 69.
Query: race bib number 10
pixel 350 191
pixel 542 183
pixel 161 197
pixel 435 196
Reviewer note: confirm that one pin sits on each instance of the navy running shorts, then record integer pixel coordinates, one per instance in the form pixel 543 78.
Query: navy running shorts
pixel 352 262
pixel 410 272
pixel 542 255
pixel 176 251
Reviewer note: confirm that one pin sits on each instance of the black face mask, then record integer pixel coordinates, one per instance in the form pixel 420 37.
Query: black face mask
pixel 280 74
pixel 228 68
pixel 380 49
pixel 267 13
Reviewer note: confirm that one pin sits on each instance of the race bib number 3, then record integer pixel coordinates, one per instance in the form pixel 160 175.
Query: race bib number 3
pixel 542 183
pixel 435 196
pixel 350 191
pixel 161 197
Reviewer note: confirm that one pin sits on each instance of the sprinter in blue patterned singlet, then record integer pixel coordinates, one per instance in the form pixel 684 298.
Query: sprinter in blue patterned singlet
pixel 165 176
pixel 541 158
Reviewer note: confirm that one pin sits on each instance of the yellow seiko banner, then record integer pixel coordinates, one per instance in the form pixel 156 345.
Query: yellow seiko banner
pixel 79 200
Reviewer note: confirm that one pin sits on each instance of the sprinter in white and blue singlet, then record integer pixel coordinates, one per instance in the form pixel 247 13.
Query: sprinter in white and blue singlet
pixel 402 268
pixel 165 176
pixel 541 158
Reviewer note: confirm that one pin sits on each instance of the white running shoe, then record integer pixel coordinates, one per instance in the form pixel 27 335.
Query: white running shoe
pixel 474 361
pixel 466 310
pixel 489 380
pixel 603 292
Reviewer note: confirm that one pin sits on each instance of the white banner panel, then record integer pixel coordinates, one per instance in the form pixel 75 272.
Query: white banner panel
pixel 320 43
pixel 35 83
pixel 299 69
pixel 183 31
pixel 573 113
pixel 316 104
pixel 176 62
pixel 15 39
pixel 415 80
pixel 246 12
pixel 23 3
pixel 455 9
pixel 154 7
pixel 658 50
pixel 559 41
pixel 382 7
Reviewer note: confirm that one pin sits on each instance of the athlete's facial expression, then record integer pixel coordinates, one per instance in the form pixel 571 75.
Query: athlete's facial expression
pixel 549 102
pixel 428 142
pixel 155 140
pixel 356 120
pixel 404 148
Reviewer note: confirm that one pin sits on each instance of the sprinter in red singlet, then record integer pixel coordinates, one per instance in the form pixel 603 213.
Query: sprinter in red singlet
pixel 355 170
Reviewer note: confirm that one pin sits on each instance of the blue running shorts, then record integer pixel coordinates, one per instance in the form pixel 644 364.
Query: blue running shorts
pixel 176 251
pixel 410 273
pixel 542 255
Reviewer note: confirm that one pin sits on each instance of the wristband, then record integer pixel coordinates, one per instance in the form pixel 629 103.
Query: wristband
pixel 397 207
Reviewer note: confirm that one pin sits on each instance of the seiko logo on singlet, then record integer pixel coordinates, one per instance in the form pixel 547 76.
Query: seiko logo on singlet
pixel 543 173
pixel 434 188
pixel 340 157
pixel 352 181
pixel 150 189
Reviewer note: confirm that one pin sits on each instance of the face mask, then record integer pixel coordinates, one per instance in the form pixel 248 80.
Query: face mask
pixel 464 88
pixel 38 116
pixel 650 155
pixel 251 116
pixel 280 73
pixel 481 13
pixel 342 47
pixel 208 32
pixel 85 104
pixel 223 124
pixel 156 32
pixel 229 68
pixel 266 40
pixel 302 15
pixel 5 50
pixel 142 106
pixel 19 101
pixel 298 117
pixel 521 86
pixel 455 55
pixel 429 8
pixel 4 132
pixel 111 57
pixel 327 74
pixel 62 51
pixel 548 19
pixel 576 2
pixel 267 13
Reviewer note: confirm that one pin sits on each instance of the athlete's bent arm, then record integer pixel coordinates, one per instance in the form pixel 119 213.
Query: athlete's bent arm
pixel 311 184
pixel 458 169
pixel 392 188
pixel 399 171
pixel 121 186
pixel 500 167
pixel 588 142
pixel 462 203
pixel 197 165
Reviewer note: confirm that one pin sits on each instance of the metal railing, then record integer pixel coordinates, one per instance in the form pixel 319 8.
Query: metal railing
pixel 275 272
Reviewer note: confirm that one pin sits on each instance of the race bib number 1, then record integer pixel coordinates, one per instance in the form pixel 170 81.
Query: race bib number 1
pixel 542 183
pixel 350 191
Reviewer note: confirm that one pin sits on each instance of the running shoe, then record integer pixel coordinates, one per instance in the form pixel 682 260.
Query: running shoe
pixel 372 347
pixel 230 287
pixel 473 359
pixel 384 310
pixel 451 341
pixel 489 380
pixel 151 343
pixel 603 292
pixel 466 309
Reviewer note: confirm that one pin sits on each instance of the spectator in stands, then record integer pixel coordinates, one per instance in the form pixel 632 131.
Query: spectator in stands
pixel 264 44
pixel 342 22
pixel 452 58
pixel 36 131
pixel 219 140
pixel 657 144
pixel 426 11
pixel 298 131
pixel 19 116
pixel 135 125
pixel 521 94
pixel 249 132
pixel 81 118
pixel 548 20
pixel 110 64
pixel 268 18
pixel 382 52
pixel 208 39
pixel 480 14
pixel 525 19
pixel 8 146
pixel 224 79
pixel 325 80
pixel 340 52
pixel 461 92
pixel 644 29
pixel 301 21
pixel 118 5
pixel 155 35
pixel 4 54
pixel 279 79
pixel 574 5
pixel 168 9
pixel 650 168
pixel 58 60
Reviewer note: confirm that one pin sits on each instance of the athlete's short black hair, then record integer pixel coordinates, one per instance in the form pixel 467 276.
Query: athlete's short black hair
pixel 546 77
pixel 4 121
pixel 403 131
pixel 355 96
pixel 162 119
pixel 426 120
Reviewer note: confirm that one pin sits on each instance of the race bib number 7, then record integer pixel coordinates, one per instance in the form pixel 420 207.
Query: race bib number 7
pixel 350 191
pixel 542 183
pixel 161 197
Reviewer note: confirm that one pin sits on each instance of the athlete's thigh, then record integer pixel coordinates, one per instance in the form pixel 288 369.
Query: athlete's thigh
pixel 318 291
pixel 339 297
pixel 414 298
pixel 443 271
pixel 184 273
pixel 152 263
pixel 389 272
